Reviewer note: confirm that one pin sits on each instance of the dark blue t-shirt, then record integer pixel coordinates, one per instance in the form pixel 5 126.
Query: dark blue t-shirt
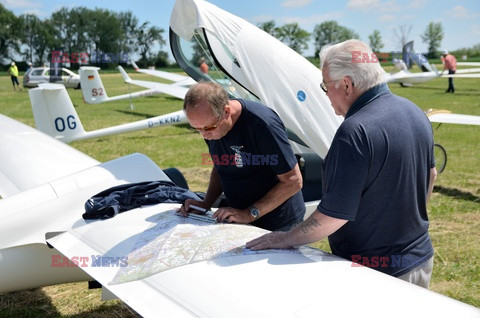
pixel 249 158
pixel 376 176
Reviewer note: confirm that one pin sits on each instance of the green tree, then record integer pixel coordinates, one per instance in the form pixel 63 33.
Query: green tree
pixel 375 41
pixel 63 29
pixel 29 24
pixel 10 34
pixel 44 40
pixel 269 27
pixel 402 34
pixel 295 37
pixel 148 37
pixel 104 29
pixel 161 59
pixel 129 26
pixel 330 32
pixel 37 36
pixel 433 36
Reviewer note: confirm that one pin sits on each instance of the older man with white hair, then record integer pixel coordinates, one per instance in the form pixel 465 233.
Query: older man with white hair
pixel 378 173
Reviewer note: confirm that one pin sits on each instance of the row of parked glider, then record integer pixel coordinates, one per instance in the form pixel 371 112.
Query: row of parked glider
pixel 55 115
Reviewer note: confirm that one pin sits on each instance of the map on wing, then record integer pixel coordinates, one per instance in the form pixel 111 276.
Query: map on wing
pixel 176 241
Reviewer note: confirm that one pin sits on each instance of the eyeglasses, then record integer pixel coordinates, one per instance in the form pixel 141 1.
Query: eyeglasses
pixel 324 87
pixel 211 127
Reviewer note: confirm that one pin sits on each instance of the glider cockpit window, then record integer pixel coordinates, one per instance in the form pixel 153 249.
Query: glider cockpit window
pixel 197 58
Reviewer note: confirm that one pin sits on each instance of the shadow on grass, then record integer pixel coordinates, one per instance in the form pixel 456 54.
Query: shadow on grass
pixel 137 114
pixel 27 303
pixel 457 194
pixel 36 303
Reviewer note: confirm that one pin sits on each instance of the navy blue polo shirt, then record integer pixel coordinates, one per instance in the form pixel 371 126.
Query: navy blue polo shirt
pixel 249 158
pixel 376 176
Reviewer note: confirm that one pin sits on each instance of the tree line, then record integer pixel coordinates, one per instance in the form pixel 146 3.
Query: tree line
pixel 78 30
pixel 98 31
pixel 330 32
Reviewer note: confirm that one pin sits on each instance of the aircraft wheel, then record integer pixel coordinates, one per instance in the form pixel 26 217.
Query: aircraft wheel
pixel 440 157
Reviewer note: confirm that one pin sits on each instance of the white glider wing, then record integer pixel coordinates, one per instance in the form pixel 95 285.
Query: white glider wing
pixel 45 184
pixel 468 63
pixel 446 117
pixel 178 91
pixel 467 70
pixel 411 78
pixel 414 78
pixel 177 78
pixel 468 75
pixel 163 264
pixel 29 159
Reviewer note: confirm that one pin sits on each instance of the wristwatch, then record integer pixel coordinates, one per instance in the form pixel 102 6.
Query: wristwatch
pixel 254 212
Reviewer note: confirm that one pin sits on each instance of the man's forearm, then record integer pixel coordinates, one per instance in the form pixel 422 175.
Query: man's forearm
pixel 276 196
pixel 313 229
pixel 316 227
pixel 433 177
pixel 288 185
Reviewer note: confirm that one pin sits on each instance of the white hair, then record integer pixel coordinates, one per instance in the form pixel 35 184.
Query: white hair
pixel 348 59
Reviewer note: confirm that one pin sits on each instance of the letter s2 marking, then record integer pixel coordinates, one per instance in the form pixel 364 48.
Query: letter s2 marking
pixel 97 91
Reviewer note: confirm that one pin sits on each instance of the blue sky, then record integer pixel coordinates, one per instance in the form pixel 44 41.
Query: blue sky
pixel 460 18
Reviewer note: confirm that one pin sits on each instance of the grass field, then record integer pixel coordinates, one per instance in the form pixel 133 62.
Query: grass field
pixel 454 209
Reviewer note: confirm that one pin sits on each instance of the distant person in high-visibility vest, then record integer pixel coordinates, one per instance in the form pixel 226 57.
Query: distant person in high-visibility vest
pixel 450 64
pixel 13 71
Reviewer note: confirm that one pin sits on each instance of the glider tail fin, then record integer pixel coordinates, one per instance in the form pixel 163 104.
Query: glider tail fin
pixel 406 54
pixel 125 76
pixel 54 113
pixel 135 66
pixel 92 86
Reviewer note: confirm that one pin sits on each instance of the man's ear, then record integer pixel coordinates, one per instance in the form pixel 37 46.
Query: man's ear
pixel 347 81
pixel 226 109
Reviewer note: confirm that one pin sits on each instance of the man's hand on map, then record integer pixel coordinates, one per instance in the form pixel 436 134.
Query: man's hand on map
pixel 193 206
pixel 270 240
pixel 231 215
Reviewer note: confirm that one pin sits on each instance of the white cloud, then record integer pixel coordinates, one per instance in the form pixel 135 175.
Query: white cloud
pixel 362 4
pixel 417 4
pixel 370 5
pixel 38 13
pixel 306 23
pixel 389 6
pixel 408 17
pixel 295 3
pixel 26 4
pixel 387 18
pixel 309 22
pixel 460 12
pixel 261 19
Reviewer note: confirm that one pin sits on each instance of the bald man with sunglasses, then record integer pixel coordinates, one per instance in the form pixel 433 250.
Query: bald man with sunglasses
pixel 254 165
